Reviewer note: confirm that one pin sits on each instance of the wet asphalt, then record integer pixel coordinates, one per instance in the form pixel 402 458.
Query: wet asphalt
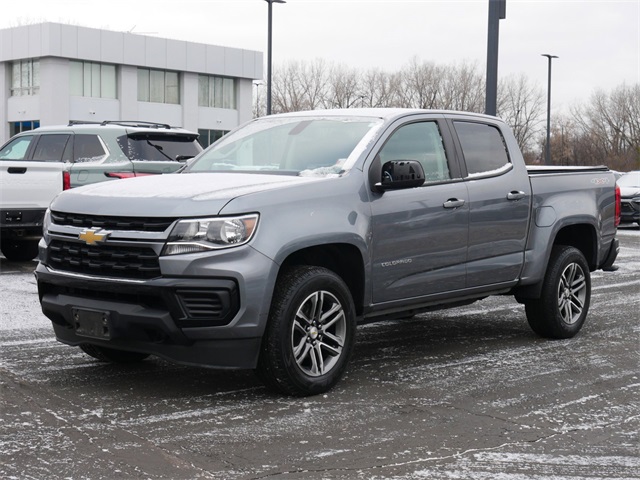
pixel 468 393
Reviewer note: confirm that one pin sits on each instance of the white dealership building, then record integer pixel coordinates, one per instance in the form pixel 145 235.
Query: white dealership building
pixel 53 73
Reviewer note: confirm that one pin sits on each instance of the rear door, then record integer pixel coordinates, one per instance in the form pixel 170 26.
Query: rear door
pixel 499 208
pixel 31 170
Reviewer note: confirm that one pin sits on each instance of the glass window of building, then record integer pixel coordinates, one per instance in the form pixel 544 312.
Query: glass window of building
pixel 17 127
pixel 217 92
pixel 90 79
pixel 207 137
pixel 158 86
pixel 25 77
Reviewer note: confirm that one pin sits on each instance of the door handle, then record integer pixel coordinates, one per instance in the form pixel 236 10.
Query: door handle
pixel 17 170
pixel 516 195
pixel 453 203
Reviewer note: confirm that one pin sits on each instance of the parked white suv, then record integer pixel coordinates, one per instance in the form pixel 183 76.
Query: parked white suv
pixel 37 165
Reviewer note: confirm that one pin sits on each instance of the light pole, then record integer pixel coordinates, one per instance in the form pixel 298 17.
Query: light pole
pixel 547 156
pixel 258 84
pixel 497 12
pixel 270 2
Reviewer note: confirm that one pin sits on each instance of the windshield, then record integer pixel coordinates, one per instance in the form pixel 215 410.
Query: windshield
pixel 305 146
pixel 154 147
pixel 631 179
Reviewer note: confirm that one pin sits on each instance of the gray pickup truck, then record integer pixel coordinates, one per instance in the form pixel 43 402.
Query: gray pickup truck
pixel 272 244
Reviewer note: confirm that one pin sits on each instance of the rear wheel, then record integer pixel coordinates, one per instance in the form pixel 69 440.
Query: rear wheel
pixel 310 333
pixel 112 355
pixel 562 307
pixel 19 250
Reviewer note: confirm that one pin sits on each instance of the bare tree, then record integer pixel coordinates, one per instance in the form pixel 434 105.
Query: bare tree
pixel 419 85
pixel 521 105
pixel 462 88
pixel 610 123
pixel 343 88
pixel 378 88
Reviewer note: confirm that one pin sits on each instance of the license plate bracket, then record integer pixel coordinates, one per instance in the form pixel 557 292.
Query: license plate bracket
pixel 92 323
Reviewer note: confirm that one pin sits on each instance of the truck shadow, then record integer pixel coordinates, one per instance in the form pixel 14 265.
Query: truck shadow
pixel 382 350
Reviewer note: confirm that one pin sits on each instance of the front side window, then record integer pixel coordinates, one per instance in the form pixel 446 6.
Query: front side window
pixel 90 79
pixel 216 92
pixel 25 77
pixel 422 142
pixel 483 148
pixel 304 146
pixel 158 86
pixel 16 149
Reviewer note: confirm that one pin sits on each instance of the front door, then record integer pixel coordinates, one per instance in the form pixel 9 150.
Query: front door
pixel 419 234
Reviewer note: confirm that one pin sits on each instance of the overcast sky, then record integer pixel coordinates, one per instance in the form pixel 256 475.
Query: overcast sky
pixel 598 42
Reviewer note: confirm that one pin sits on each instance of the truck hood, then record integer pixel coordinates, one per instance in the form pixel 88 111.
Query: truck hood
pixel 190 194
pixel 629 192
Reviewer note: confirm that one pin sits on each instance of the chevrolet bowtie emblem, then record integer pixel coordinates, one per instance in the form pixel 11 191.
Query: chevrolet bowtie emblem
pixel 93 236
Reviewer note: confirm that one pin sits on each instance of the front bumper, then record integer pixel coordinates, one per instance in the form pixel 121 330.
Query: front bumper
pixel 25 224
pixel 204 314
pixel 630 211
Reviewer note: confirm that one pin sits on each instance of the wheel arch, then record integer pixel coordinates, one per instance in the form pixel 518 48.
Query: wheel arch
pixel 344 259
pixel 582 236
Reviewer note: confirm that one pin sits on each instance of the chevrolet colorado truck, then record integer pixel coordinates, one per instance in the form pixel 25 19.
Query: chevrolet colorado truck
pixel 271 245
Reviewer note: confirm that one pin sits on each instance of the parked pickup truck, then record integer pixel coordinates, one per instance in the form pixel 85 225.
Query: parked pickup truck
pixel 270 247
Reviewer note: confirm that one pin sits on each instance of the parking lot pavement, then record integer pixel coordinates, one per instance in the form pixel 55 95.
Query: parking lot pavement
pixel 468 393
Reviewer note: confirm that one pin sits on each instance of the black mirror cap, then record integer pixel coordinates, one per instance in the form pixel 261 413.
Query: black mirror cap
pixel 398 174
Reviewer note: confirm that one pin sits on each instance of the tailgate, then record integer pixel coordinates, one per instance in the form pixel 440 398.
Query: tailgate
pixel 28 184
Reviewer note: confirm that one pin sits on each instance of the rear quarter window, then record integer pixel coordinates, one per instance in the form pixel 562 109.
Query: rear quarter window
pixel 483 148
pixel 87 148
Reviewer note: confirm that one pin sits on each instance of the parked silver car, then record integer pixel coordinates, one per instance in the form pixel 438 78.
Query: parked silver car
pixel 629 184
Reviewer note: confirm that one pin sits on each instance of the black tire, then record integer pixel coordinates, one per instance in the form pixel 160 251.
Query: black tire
pixel 310 332
pixel 19 250
pixel 112 355
pixel 563 305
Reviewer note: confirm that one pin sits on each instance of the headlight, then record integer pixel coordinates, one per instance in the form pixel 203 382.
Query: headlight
pixel 203 234
pixel 46 223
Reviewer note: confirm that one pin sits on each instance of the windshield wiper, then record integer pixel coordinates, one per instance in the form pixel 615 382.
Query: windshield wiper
pixel 159 148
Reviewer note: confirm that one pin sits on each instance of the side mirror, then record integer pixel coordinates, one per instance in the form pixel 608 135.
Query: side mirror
pixel 398 174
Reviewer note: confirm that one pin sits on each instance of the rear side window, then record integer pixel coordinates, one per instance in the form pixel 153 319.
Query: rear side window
pixel 87 148
pixel 158 147
pixel 483 148
pixel 16 149
pixel 50 148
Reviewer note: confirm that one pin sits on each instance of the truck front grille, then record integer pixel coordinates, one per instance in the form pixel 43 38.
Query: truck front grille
pixel 105 260
pixel 137 224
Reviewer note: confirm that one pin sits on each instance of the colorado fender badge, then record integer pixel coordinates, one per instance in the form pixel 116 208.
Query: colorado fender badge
pixel 94 236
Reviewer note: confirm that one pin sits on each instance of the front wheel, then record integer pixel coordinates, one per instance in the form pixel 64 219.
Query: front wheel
pixel 112 355
pixel 562 307
pixel 310 332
